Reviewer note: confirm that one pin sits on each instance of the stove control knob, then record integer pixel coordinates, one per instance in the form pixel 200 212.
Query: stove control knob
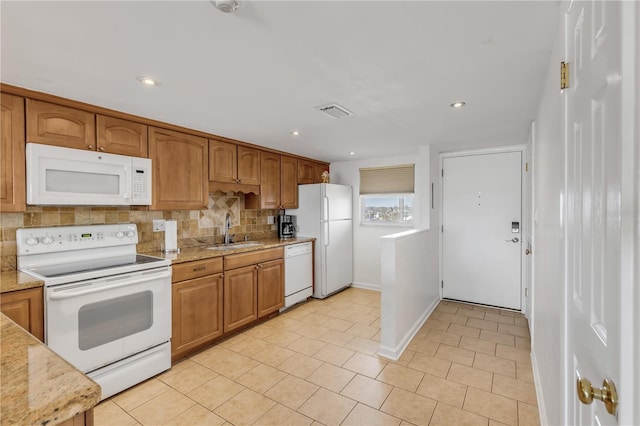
pixel 46 240
pixel 31 241
pixel 119 234
pixel 131 234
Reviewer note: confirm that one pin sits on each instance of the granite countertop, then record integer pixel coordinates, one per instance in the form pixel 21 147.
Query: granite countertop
pixel 37 386
pixel 188 254
pixel 16 280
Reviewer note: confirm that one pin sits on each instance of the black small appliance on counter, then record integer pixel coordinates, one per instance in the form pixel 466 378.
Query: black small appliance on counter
pixel 286 226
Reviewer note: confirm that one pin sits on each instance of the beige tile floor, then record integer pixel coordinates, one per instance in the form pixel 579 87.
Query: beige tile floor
pixel 317 364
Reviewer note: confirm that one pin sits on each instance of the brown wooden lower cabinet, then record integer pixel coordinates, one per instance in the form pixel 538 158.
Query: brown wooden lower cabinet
pixel 197 313
pixel 196 300
pixel 25 308
pixel 208 303
pixel 240 295
pixel 270 287
pixel 253 286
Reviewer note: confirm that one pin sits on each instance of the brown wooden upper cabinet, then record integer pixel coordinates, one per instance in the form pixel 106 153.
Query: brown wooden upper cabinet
pixel 269 180
pixel 320 167
pixel 279 182
pixel 179 170
pixel 231 163
pixel 118 136
pixel 288 182
pixel 310 171
pixel 306 172
pixel 12 156
pixel 59 125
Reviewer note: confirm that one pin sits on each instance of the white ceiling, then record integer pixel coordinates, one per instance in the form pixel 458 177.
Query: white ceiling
pixel 257 74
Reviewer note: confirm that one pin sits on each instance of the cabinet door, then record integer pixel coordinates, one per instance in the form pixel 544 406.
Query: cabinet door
pixel 270 287
pixel 196 313
pixel 53 124
pixel 12 159
pixel 179 170
pixel 269 180
pixel 288 182
pixel 26 308
pixel 123 137
pixel 248 165
pixel 222 161
pixel 240 297
pixel 320 167
pixel 306 172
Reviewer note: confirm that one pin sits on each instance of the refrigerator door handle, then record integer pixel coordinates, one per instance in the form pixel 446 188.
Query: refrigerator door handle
pixel 326 233
pixel 326 208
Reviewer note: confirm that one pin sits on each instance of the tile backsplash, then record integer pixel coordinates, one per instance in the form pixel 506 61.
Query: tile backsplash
pixel 194 226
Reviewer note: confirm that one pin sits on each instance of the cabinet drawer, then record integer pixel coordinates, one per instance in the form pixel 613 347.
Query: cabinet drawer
pixel 197 268
pixel 244 259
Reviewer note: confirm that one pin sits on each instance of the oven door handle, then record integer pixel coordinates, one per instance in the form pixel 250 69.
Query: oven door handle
pixel 69 293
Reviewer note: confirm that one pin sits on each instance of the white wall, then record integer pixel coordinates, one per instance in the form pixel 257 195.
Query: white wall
pixel 408 295
pixel 366 239
pixel 549 286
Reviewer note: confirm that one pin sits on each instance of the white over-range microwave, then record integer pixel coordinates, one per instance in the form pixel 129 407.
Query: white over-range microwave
pixel 66 176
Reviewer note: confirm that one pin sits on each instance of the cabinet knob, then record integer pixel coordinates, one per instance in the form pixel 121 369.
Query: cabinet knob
pixel 199 268
pixel 101 148
pixel 90 147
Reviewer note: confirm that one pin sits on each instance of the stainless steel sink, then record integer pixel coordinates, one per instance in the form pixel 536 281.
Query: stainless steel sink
pixel 235 246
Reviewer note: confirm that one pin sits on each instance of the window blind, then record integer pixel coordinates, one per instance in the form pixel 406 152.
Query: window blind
pixel 387 180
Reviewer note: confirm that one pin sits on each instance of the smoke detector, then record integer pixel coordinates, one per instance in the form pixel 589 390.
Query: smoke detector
pixel 226 6
pixel 334 110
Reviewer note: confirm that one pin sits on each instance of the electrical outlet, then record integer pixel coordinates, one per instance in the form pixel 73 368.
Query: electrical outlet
pixel 269 220
pixel 158 225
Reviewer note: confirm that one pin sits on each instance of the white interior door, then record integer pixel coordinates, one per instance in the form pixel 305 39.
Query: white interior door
pixel 593 145
pixel 481 210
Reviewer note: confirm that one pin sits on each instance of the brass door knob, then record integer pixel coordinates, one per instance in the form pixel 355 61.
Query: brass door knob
pixel 606 394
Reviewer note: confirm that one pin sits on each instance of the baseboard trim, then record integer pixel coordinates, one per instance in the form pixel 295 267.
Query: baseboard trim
pixel 366 286
pixel 542 412
pixel 394 354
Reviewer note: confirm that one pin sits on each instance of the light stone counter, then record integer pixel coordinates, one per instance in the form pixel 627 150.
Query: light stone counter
pixel 188 254
pixel 16 280
pixel 36 385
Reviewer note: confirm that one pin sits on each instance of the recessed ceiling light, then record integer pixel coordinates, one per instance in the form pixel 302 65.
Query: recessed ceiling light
pixel 147 81
pixel 295 133
pixel 458 104
pixel 352 153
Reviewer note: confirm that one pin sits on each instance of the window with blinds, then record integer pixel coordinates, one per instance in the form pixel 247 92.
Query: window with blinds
pixel 386 195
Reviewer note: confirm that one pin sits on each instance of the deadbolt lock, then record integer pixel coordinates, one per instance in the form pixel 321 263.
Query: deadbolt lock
pixel 606 394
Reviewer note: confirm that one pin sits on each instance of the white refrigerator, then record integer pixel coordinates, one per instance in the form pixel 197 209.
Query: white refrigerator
pixel 325 213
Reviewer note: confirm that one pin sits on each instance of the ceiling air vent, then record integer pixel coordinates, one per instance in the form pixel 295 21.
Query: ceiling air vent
pixel 334 110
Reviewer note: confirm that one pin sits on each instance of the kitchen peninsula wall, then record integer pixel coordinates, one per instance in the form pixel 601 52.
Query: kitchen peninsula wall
pixel 195 227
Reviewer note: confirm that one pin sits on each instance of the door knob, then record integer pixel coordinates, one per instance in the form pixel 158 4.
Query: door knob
pixel 606 394
pixel 513 240
pixel 527 252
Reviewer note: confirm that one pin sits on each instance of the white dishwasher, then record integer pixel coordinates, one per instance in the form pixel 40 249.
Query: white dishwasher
pixel 298 273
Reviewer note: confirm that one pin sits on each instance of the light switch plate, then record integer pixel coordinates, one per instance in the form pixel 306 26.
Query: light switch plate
pixel 269 220
pixel 158 225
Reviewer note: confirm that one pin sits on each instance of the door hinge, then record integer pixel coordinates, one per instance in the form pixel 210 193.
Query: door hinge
pixel 526 166
pixel 526 292
pixel 564 75
pixel 441 284
pixel 441 228
pixel 442 171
